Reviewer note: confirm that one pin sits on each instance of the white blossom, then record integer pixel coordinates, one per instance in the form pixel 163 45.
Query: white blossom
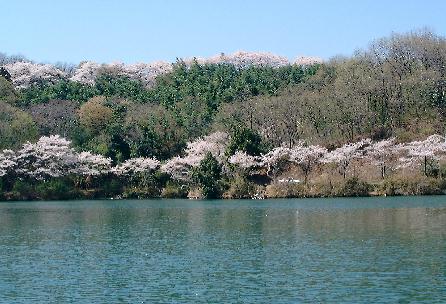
pixel 25 74
pixel 49 157
pixel 180 167
pixel 243 59
pixel 86 72
pixel 52 156
pixel 89 164
pixel 307 60
pixel 433 147
pixel 7 163
pixel 245 161
pixel 136 165
pixel 344 155
pixel 304 156
pixel 377 152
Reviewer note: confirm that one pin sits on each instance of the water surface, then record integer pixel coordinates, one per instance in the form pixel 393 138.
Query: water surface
pixel 364 250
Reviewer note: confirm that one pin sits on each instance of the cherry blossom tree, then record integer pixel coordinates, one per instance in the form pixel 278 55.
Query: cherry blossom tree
pixel 344 155
pixel 307 157
pixel 245 161
pixel 379 153
pixel 89 164
pixel 51 156
pixel 243 59
pixel 307 60
pixel 431 149
pixel 275 159
pixel 7 163
pixel 87 72
pixel 25 74
pixel 136 165
pixel 180 167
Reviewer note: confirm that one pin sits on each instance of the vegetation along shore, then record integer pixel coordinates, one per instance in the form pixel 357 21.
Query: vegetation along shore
pixel 244 125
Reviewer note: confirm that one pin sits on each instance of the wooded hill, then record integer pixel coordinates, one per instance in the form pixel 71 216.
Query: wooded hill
pixel 393 88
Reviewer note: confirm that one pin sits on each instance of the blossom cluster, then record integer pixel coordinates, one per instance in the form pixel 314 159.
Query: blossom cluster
pixel 180 167
pixel 53 156
pixel 25 73
pixel 88 71
pixel 378 153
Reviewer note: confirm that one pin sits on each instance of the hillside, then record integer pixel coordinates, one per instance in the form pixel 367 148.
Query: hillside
pixel 161 115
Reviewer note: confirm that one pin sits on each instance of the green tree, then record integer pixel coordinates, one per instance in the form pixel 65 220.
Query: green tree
pixel 208 176
pixel 246 140
pixel 7 92
pixel 16 127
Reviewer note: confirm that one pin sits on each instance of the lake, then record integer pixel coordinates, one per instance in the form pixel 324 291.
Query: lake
pixel 354 250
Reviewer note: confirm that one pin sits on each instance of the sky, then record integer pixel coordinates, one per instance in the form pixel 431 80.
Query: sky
pixel 144 31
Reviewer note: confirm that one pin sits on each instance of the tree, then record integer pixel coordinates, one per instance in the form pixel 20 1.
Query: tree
pixel 379 154
pixel 16 127
pixel 425 151
pixel 344 155
pixel 245 140
pixel 7 162
pixel 180 168
pixel 55 117
pixel 208 175
pixel 7 92
pixel 25 74
pixel 94 116
pixel 49 157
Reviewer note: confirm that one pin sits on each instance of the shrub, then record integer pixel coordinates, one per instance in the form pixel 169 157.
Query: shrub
pixel 240 187
pixel 285 190
pixel 174 190
pixel 55 189
pixel 412 185
pixel 354 187
pixel 22 190
pixel 147 192
pixel 245 140
pixel 111 187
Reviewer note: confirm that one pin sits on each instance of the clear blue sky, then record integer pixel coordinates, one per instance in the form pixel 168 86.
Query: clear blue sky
pixel 138 30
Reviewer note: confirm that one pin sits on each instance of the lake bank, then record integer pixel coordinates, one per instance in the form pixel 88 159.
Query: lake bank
pixel 239 189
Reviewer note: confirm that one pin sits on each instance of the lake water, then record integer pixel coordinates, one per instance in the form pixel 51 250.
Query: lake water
pixel 368 250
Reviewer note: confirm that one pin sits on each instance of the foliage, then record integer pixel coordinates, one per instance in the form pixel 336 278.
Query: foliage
pixel 94 115
pixel 174 190
pixel 256 114
pixel 208 175
pixel 55 189
pixel 245 140
pixel 55 117
pixel 16 127
pixel 240 188
pixel 354 187
pixel 7 92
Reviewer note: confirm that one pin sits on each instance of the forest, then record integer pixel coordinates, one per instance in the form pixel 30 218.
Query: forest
pixel 242 125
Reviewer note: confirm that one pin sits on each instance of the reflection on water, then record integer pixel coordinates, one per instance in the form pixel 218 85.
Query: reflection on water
pixel 279 251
